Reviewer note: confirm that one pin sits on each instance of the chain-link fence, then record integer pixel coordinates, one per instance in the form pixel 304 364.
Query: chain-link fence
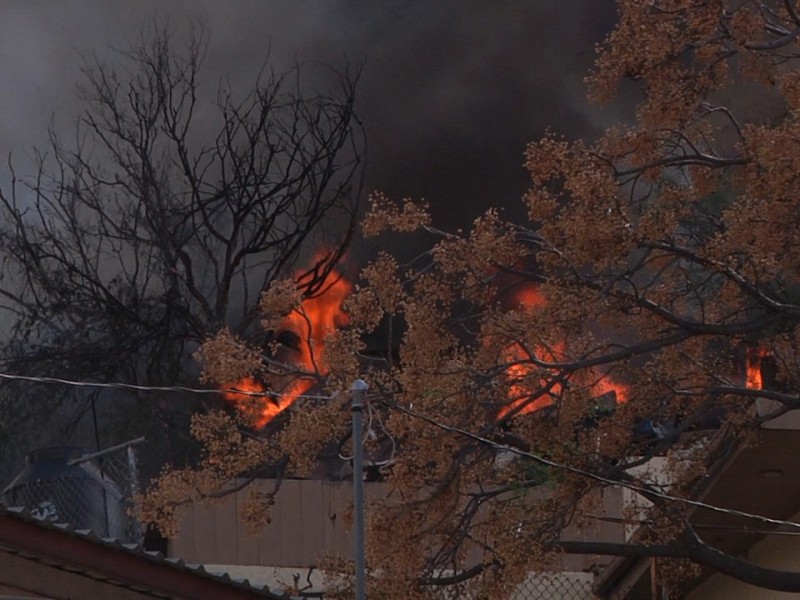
pixel 87 491
pixel 566 585
pixel 297 583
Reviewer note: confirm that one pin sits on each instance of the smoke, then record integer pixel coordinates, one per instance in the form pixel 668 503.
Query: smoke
pixel 453 96
pixel 450 94
pixel 451 90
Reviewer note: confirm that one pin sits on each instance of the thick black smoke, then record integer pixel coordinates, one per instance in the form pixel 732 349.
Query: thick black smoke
pixel 451 92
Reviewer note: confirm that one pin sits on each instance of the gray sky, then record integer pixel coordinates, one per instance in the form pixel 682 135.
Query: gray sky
pixel 452 89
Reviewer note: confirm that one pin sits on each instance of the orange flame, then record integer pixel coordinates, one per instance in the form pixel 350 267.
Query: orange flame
pixel 519 394
pixel 530 297
pixel 754 380
pixel 260 409
pixel 315 319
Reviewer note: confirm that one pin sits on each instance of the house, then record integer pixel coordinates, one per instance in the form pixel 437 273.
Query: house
pixel 759 479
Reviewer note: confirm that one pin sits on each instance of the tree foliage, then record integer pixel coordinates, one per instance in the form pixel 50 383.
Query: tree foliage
pixel 655 265
pixel 163 216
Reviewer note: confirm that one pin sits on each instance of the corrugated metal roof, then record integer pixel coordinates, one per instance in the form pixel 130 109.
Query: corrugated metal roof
pixel 138 551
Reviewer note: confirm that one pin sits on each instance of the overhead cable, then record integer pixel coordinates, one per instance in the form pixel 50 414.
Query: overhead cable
pixel 155 388
pixel 589 474
pixel 483 440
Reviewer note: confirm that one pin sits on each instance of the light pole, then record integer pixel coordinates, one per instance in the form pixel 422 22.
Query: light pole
pixel 359 391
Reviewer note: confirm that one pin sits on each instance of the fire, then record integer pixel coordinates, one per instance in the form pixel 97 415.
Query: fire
pixel 754 380
pixel 518 392
pixel 316 318
pixel 606 385
pixel 261 409
pixel 530 298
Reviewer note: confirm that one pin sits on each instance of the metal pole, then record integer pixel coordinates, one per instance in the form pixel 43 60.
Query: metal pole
pixel 109 450
pixel 133 487
pixel 359 390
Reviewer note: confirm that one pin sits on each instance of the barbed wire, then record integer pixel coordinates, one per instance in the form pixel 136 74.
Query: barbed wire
pixel 157 388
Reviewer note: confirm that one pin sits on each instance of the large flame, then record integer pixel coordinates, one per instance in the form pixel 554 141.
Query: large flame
pixel 754 380
pixel 520 392
pixel 316 318
pixel 261 409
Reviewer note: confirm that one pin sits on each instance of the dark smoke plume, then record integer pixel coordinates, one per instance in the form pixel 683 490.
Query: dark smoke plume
pixel 452 90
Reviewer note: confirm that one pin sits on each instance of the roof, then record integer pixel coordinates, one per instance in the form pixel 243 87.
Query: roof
pixel 55 560
pixel 755 478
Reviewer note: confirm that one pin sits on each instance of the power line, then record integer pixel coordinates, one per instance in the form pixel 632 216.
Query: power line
pixel 155 388
pixel 589 474
pixel 412 413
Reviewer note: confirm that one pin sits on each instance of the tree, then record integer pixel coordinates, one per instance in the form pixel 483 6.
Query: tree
pixel 658 266
pixel 161 218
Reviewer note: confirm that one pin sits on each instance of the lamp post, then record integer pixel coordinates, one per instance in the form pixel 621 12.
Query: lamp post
pixel 359 391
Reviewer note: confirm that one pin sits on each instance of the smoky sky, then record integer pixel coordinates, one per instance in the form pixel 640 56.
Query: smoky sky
pixel 451 90
pixel 450 94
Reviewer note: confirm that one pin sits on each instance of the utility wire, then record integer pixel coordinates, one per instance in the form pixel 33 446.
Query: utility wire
pixel 589 474
pixel 427 419
pixel 154 388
